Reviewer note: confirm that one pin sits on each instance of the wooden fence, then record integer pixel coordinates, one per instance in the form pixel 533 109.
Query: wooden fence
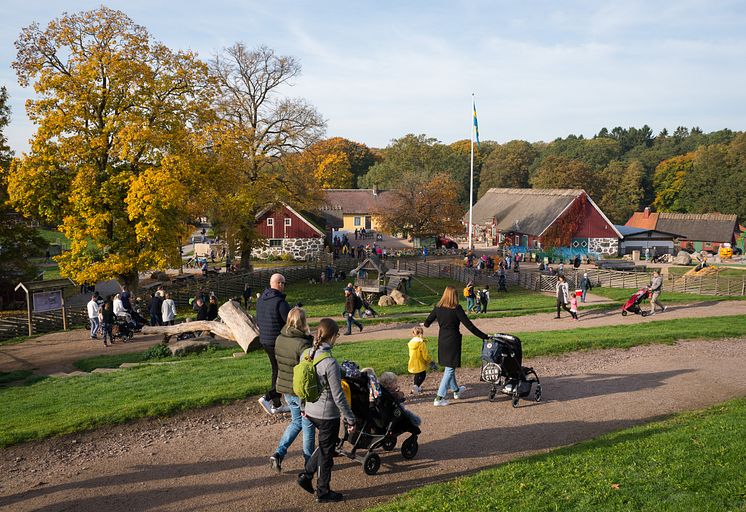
pixel 532 279
pixel 183 288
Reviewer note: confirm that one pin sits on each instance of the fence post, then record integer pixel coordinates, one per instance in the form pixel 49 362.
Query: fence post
pixel 743 286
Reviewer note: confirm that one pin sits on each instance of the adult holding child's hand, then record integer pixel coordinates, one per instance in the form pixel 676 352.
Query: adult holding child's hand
pixel 450 315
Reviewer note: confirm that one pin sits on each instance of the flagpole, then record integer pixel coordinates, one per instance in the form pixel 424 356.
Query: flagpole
pixel 471 175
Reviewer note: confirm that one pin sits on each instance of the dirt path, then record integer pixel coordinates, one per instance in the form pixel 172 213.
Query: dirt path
pixel 216 458
pixel 56 352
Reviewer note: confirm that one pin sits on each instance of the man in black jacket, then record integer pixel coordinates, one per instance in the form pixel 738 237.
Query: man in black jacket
pixel 271 315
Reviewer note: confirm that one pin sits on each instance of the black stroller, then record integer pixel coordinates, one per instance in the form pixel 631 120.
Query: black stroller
pixel 122 329
pixel 502 358
pixel 379 424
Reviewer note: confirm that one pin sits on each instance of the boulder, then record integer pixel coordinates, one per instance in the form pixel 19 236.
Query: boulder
pixel 398 297
pixel 189 346
pixel 386 300
pixel 159 276
pixel 683 258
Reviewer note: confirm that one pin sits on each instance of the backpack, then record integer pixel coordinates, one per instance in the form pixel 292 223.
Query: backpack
pixel 305 381
pixel 358 301
pixel 466 292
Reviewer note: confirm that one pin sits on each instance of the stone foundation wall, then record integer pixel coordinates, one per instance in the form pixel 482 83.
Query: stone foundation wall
pixel 607 246
pixel 300 248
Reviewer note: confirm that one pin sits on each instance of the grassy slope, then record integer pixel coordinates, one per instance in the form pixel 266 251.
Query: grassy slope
pixel 58 406
pixel 693 461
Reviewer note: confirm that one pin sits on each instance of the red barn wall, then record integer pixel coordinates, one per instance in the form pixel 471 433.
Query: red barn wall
pixel 594 225
pixel 298 228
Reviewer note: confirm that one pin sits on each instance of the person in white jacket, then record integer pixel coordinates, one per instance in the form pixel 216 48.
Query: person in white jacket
pixel 93 316
pixel 168 310
pixel 563 294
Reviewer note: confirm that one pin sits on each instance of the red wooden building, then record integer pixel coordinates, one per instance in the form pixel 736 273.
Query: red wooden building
pixel 544 218
pixel 287 231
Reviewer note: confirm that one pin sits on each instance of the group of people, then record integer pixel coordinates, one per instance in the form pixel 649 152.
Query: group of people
pixel 287 339
pixel 103 313
pixel 476 300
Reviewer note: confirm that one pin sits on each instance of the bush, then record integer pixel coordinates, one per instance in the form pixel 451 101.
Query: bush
pixel 286 256
pixel 159 351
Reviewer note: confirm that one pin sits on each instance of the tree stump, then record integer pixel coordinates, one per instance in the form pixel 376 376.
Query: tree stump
pixel 235 325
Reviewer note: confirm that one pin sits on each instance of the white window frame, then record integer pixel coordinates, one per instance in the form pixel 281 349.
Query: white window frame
pixel 357 221
pixel 270 221
pixel 288 221
pixel 277 242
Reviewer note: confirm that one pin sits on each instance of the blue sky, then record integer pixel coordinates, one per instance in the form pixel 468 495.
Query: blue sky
pixel 378 70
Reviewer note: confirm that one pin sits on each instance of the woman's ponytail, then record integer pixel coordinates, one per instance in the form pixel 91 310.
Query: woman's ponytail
pixel 325 333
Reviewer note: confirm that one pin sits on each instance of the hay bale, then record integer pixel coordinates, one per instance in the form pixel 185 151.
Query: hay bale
pixel 386 301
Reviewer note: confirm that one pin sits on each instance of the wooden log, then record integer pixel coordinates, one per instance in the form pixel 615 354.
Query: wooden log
pixel 236 326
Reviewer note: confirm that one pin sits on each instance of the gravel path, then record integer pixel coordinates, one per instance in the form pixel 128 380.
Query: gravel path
pixel 56 352
pixel 216 458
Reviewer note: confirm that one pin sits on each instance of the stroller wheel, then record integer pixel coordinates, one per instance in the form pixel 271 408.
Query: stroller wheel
pixel 624 312
pixel 493 392
pixel 371 463
pixel 389 444
pixel 514 402
pixel 537 393
pixel 644 313
pixel 409 447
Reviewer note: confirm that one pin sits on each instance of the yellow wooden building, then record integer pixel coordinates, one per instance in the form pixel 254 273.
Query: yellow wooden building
pixel 351 209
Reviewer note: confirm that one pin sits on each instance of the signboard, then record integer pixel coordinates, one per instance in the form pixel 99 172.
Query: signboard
pixel 47 301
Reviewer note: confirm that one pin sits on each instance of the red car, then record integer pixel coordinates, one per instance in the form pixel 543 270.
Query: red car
pixel 444 241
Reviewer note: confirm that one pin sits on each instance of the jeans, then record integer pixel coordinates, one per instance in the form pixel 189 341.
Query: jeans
pixel 106 331
pixel 323 457
pixel 447 382
pixel 469 303
pixel 585 292
pixel 298 423
pixel 350 321
pixel 94 326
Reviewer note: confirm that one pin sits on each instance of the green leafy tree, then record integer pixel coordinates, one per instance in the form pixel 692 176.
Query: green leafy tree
pixel 564 172
pixel 668 182
pixel 622 192
pixel 508 166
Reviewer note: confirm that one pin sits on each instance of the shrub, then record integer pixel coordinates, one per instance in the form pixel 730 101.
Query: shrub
pixel 159 351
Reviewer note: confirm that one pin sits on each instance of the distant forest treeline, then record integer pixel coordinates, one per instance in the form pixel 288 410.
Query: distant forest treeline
pixel 623 170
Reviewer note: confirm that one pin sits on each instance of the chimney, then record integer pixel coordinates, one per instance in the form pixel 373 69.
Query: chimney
pixel 375 190
pixel 646 213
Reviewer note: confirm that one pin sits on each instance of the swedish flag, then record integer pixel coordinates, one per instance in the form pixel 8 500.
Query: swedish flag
pixel 476 125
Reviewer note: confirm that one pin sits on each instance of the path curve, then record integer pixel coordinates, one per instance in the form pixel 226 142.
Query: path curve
pixel 217 458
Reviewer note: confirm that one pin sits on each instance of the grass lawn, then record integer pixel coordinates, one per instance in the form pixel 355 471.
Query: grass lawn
pixel 58 406
pixel 115 360
pixel 621 295
pixel 692 461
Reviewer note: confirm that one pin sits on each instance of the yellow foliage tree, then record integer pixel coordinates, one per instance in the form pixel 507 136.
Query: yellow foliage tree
pixel 112 162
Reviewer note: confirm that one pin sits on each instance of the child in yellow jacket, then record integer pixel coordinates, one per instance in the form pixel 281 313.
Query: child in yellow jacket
pixel 419 358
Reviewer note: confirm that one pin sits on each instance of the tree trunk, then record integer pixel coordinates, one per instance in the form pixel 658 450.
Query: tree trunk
pixel 131 280
pixel 236 326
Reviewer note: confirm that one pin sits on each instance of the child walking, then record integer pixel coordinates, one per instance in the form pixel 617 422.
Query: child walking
pixel 419 358
pixel 574 307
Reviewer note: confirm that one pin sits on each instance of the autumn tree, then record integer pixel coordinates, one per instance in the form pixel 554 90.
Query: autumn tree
pixel 668 181
pixel 423 207
pixel 508 166
pixel 622 190
pixel 110 160
pixel 335 162
pixel 422 157
pixel 257 133
pixel 18 241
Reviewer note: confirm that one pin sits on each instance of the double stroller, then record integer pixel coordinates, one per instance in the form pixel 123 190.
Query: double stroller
pixel 502 358
pixel 381 420
pixel 633 304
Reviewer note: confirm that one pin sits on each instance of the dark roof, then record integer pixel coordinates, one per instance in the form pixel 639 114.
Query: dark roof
pixel 371 263
pixel 355 200
pixel 628 231
pixel 526 210
pixel 50 284
pixel 701 227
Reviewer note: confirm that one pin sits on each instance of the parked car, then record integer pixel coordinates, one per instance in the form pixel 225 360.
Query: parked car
pixel 444 241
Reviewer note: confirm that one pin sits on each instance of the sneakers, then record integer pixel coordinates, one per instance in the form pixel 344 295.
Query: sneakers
pixel 275 462
pixel 266 405
pixel 306 483
pixel 416 390
pixel 361 330
pixel 282 408
pixel 457 394
pixel 440 402
pixel 664 309
pixel 330 497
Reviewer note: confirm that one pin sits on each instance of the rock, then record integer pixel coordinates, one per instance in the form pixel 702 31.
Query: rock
pixel 159 276
pixel 683 258
pixel 386 300
pixel 104 370
pixel 189 346
pixel 398 297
